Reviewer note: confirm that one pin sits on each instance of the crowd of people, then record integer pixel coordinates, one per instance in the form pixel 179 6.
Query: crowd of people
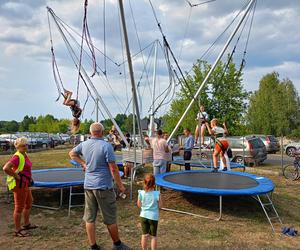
pixel 97 158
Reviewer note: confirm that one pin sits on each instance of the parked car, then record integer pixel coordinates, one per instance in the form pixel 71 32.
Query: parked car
pixel 291 148
pixel 248 149
pixel 65 138
pixel 4 145
pixel 271 143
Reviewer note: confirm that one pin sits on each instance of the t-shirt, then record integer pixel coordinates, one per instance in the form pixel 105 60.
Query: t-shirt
pixel 218 132
pixel 159 146
pixel 189 143
pixel 149 200
pixel 97 153
pixel 202 115
pixel 26 170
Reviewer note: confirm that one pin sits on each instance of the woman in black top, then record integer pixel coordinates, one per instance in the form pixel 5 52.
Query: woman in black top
pixel 75 108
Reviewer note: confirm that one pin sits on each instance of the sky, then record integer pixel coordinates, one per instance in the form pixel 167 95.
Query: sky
pixel 27 85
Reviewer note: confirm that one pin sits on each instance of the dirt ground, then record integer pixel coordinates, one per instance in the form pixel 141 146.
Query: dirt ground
pixel 244 225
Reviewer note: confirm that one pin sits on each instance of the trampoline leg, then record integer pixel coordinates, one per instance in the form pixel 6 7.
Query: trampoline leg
pixel 198 215
pixel 220 208
pixel 70 201
pixel 61 198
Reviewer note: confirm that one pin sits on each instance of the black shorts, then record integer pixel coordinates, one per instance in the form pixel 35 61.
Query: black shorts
pixel 149 226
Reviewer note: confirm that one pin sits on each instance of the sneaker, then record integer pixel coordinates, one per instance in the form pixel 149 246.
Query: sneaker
pixel 224 169
pixel 122 246
pixel 215 170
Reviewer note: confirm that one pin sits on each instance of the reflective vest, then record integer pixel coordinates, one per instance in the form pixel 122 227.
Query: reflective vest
pixel 11 181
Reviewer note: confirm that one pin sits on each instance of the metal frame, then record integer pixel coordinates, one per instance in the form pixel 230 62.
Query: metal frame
pixel 70 205
pixel 257 198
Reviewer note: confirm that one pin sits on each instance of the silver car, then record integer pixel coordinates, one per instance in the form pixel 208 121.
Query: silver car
pixel 249 149
pixel 291 148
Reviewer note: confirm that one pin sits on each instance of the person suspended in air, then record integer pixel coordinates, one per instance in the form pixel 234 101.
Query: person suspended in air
pixel 116 139
pixel 202 117
pixel 221 144
pixel 75 108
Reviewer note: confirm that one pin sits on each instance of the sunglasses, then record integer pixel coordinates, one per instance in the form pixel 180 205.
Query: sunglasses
pixel 24 145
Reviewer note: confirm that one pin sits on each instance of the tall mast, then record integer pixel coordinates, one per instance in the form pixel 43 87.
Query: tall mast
pixel 213 67
pixel 133 86
pixel 151 126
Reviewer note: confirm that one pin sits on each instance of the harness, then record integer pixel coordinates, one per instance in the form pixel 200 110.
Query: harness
pixel 76 111
pixel 11 180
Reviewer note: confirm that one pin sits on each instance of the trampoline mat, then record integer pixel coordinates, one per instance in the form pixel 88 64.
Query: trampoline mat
pixel 58 176
pixel 212 180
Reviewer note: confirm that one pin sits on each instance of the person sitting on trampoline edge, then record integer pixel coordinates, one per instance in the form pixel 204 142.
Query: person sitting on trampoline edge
pixel 75 108
pixel 149 201
pixel 202 117
pixel 221 144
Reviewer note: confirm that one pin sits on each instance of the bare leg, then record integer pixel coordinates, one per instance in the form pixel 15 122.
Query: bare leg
pixel 223 159
pixel 26 214
pixel 67 95
pixel 202 134
pixel 153 243
pixel 215 159
pixel 144 241
pixel 17 220
pixel 91 232
pixel 113 231
pixel 196 134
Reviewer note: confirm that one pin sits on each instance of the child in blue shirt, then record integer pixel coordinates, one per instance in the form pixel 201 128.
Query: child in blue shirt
pixel 149 201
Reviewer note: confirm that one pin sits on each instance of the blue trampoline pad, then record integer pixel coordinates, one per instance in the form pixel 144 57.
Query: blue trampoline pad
pixel 59 177
pixel 202 163
pixel 219 184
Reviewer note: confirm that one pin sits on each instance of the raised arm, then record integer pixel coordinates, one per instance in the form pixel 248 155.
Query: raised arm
pixel 209 129
pixel 225 128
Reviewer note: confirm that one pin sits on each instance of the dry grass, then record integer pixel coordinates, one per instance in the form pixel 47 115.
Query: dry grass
pixel 244 225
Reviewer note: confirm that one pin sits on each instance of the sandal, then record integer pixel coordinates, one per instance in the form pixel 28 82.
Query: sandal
pixel 22 233
pixel 29 226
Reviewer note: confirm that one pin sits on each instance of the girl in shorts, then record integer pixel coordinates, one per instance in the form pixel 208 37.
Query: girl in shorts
pixel 221 144
pixel 75 108
pixel 149 201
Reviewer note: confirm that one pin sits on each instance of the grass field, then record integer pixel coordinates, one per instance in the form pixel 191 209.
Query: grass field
pixel 244 226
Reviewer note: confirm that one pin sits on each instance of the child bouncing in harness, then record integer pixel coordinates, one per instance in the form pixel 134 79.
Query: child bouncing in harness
pixel 75 108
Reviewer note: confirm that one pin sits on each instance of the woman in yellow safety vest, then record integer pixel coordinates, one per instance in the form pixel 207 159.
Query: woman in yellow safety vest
pixel 18 169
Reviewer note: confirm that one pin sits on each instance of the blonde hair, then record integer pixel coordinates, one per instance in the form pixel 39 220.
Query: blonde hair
pixel 75 125
pixel 20 141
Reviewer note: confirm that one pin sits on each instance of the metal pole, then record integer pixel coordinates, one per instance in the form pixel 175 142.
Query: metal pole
pixel 151 130
pixel 97 110
pixel 135 100
pixel 213 67
pixel 281 147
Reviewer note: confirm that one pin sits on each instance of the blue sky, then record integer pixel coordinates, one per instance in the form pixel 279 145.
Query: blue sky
pixel 26 80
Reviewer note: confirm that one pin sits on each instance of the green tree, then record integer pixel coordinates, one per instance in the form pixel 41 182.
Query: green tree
pixel 27 120
pixel 223 97
pixel 274 107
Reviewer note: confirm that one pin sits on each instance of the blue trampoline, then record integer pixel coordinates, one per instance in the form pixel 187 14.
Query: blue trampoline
pixel 60 178
pixel 197 163
pixel 229 183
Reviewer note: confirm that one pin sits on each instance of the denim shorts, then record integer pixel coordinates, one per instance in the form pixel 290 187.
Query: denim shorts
pixel 159 166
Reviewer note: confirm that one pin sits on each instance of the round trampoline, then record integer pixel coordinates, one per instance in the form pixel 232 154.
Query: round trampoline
pixel 229 183
pixel 219 184
pixel 59 177
pixel 197 163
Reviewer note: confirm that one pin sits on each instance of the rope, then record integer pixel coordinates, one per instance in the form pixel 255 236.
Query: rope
pixel 106 79
pixel 104 36
pixel 55 70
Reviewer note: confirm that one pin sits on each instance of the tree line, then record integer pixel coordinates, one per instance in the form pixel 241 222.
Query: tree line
pixel 272 109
